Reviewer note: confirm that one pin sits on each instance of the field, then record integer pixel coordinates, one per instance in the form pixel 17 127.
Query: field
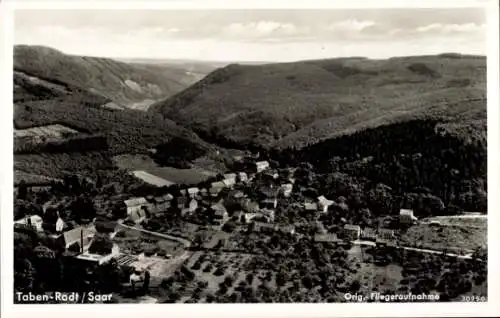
pixel 371 276
pixel 151 179
pixel 475 221
pixel 31 178
pixel 214 267
pixel 134 242
pixel 174 175
pixel 445 237
pixel 48 131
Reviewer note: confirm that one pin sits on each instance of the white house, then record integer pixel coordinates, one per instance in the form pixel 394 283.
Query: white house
pixel 406 216
pixel 192 192
pixel 230 176
pixel 135 204
pixel 35 221
pixel 323 204
pixel 286 189
pixel 216 188
pixel 242 177
pixel 60 225
pixel 261 166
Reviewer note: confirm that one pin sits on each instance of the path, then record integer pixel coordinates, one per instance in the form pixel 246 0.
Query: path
pixel 422 250
pixel 181 240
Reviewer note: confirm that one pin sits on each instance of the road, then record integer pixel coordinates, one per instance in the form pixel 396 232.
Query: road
pixel 421 250
pixel 181 240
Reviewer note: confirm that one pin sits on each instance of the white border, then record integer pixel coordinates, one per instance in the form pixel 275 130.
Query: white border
pixel 261 310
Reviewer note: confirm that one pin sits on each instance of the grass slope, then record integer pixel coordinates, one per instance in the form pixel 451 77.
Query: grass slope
pixel 125 84
pixel 297 104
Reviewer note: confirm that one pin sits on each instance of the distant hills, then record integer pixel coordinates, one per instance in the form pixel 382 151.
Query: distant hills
pixel 299 104
pixel 126 85
pixel 93 97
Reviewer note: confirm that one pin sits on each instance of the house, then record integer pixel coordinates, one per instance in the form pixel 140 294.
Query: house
pixel 249 206
pixel 42 251
pixel 168 197
pixel 269 204
pixel 99 259
pixel 229 183
pixel 286 189
pixel 219 214
pixel 81 235
pixel 261 166
pixel 216 188
pixel 270 176
pixel 192 192
pixel 268 193
pixel 351 232
pixel 135 204
pixel 263 227
pixel 182 202
pixel 386 234
pixel 268 214
pixel 310 207
pixel 35 221
pixel 324 204
pixel 230 177
pixel 269 228
pixel 60 225
pixel 250 216
pixel 290 229
pixel 161 205
pixel 326 238
pixel 190 207
pixel 369 234
pixel 406 216
pixel 242 177
pixel 137 216
pixel 238 195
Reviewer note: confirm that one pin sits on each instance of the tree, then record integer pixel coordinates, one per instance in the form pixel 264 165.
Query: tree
pixel 101 245
pixel 22 190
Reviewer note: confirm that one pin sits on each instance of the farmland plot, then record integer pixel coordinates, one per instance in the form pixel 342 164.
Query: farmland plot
pixel 56 131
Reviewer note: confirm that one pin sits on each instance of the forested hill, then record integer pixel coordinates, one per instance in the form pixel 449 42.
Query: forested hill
pixel 128 85
pixel 416 157
pixel 299 104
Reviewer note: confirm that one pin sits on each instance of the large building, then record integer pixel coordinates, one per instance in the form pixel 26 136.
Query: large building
pixel 35 221
pixel 81 235
pixel 135 204
pixel 351 232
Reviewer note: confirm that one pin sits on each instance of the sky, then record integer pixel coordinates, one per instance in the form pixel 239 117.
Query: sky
pixel 254 35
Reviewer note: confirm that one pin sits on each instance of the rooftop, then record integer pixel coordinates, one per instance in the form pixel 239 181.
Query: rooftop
pixel 352 227
pixel 135 202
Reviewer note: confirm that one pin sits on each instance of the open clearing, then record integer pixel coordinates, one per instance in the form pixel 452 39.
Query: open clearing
pixel 151 179
pixel 147 165
pixel 31 178
pixel 49 131
pixel 479 220
pixel 445 237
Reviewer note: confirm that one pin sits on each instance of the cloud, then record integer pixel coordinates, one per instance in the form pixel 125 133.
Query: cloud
pixel 260 29
pixel 350 25
pixel 452 28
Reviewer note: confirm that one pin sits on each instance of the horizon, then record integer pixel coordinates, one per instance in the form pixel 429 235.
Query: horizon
pixel 259 36
pixel 142 59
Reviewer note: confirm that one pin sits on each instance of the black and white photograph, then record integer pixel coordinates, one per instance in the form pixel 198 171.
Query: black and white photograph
pixel 249 156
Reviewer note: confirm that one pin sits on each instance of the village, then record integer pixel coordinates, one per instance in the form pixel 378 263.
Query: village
pixel 212 217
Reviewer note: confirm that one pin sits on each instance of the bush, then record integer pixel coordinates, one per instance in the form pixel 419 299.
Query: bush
pixel 220 271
